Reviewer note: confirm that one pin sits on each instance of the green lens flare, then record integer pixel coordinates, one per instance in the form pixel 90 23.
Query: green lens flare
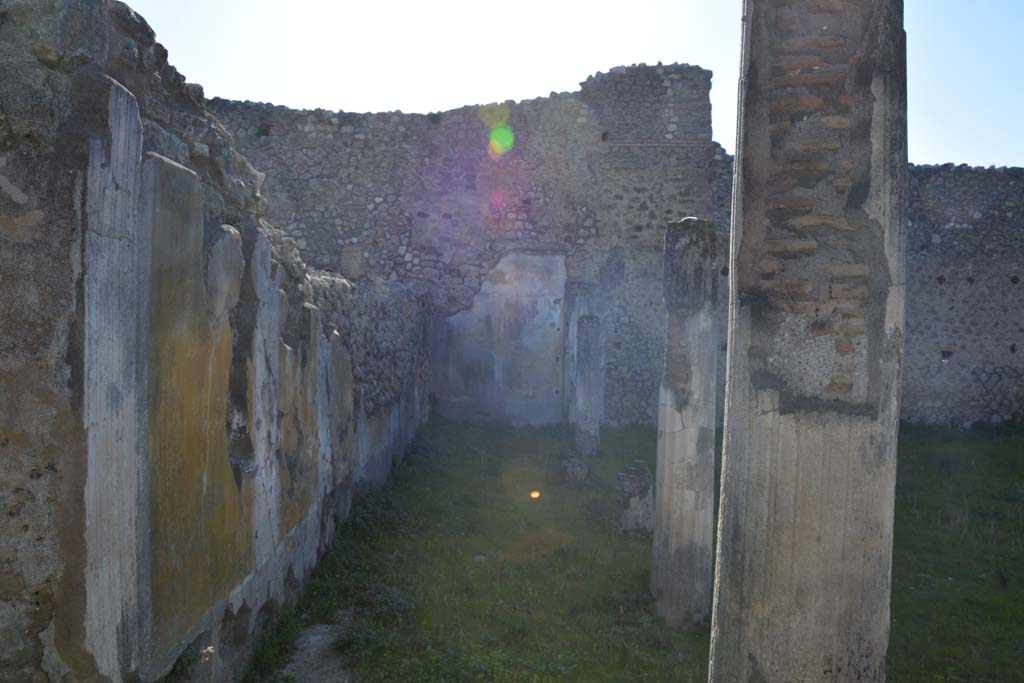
pixel 502 138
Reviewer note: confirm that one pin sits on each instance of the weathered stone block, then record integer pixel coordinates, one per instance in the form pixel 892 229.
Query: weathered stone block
pixel 574 469
pixel 634 497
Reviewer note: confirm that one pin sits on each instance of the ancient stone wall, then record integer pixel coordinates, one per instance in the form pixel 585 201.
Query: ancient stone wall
pixel 439 199
pixel 964 357
pixel 965 302
pixel 591 175
pixel 185 408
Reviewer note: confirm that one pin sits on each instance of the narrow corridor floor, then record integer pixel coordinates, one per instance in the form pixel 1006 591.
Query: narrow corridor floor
pixel 316 657
pixel 455 573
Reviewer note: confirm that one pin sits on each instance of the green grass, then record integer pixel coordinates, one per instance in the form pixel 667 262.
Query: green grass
pixel 958 559
pixel 457 575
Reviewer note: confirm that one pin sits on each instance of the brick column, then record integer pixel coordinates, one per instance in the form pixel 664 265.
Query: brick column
pixel 815 344
pixel 685 481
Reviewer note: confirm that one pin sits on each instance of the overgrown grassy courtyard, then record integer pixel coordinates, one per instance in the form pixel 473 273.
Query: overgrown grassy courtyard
pixel 456 574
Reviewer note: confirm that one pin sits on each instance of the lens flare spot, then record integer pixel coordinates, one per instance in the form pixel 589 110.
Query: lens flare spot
pixel 502 139
pixel 535 494
pixel 499 199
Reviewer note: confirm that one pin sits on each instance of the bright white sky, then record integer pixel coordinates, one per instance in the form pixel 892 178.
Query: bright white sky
pixel 965 57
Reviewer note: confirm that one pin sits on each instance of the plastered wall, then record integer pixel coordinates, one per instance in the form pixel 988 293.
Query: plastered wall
pixel 501 360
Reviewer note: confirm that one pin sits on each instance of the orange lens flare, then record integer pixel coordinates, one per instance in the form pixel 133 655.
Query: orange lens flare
pixel 535 494
pixel 493 151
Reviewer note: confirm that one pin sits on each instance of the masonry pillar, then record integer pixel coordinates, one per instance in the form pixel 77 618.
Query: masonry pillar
pixel 589 398
pixel 577 303
pixel 815 345
pixel 685 480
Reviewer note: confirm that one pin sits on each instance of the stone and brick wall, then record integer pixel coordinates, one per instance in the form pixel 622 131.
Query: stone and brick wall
pixel 815 344
pixel 593 176
pixel 965 306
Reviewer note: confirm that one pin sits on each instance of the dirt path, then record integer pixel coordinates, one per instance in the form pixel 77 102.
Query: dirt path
pixel 316 658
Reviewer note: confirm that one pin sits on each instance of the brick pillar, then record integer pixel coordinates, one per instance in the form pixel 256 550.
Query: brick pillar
pixel 685 481
pixel 815 344
pixel 589 397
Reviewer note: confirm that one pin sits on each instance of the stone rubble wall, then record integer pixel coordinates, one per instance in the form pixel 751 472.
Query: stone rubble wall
pixel 185 407
pixel 593 175
pixel 964 356
pixel 962 361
